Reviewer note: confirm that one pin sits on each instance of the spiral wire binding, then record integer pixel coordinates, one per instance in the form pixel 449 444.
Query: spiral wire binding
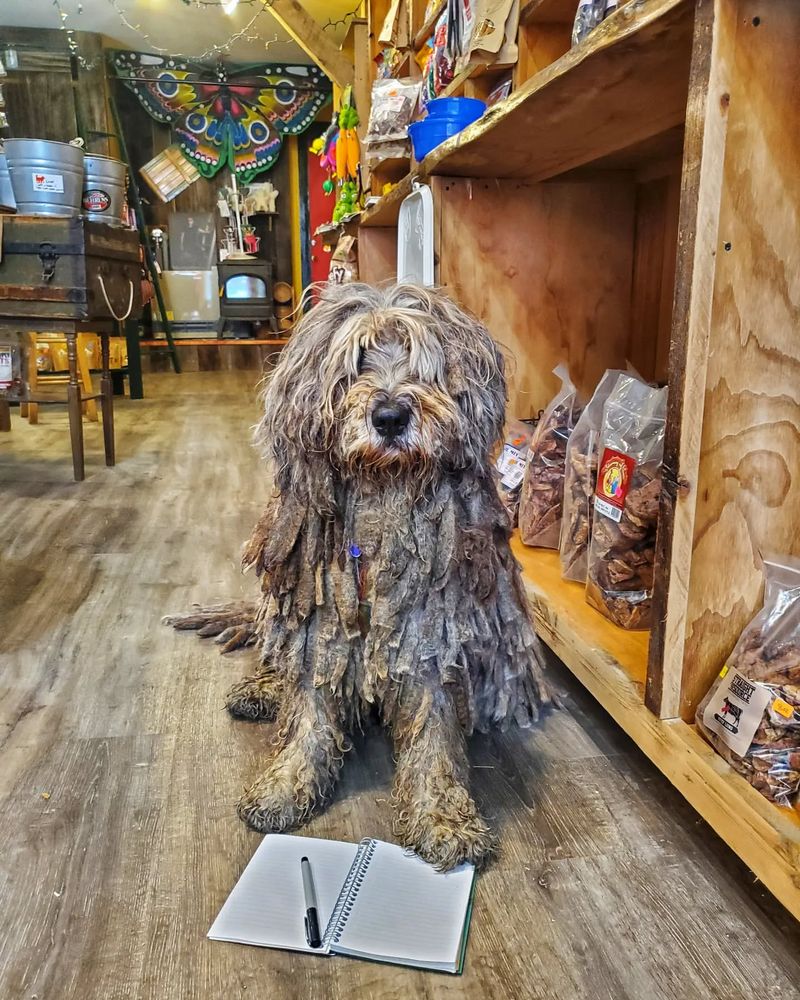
pixel 349 891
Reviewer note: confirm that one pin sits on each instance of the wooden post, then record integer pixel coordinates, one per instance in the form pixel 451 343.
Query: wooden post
pixel 75 408
pixel 107 403
pixel 313 40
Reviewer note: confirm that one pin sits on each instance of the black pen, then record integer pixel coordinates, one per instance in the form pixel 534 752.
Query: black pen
pixel 310 896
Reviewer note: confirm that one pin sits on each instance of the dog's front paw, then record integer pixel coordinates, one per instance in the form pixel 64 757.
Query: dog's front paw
pixel 447 831
pixel 255 698
pixel 274 802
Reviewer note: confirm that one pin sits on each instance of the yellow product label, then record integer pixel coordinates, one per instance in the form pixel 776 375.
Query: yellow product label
pixel 783 708
pixel 724 670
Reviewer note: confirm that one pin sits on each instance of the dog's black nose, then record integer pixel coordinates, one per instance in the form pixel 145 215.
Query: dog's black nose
pixel 390 419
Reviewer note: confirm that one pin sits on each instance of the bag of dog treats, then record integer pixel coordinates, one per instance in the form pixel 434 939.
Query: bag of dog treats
pixel 510 465
pixel 751 715
pixel 344 261
pixel 543 486
pixel 626 498
pixel 394 102
pixel 580 477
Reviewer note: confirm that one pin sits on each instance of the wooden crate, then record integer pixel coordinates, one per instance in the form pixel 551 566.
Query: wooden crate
pixel 637 199
pixel 57 268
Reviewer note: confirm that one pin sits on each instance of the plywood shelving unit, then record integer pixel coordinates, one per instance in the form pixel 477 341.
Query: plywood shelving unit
pixel 636 198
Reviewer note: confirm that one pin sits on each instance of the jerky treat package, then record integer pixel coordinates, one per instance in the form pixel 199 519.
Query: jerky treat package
pixel 622 545
pixel 510 466
pixel 393 105
pixel 751 715
pixel 580 476
pixel 344 261
pixel 543 486
pixel 588 15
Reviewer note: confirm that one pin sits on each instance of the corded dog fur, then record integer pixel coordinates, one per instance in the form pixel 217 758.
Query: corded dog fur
pixel 386 576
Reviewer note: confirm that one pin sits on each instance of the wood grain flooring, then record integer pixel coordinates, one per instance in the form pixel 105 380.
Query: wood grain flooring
pixel 119 768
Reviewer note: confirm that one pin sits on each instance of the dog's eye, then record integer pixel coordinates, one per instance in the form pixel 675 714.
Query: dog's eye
pixel 360 362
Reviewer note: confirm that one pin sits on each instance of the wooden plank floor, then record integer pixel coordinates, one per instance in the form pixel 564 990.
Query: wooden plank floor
pixel 119 768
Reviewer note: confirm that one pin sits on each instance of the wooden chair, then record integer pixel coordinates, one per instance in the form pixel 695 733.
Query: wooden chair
pixel 37 342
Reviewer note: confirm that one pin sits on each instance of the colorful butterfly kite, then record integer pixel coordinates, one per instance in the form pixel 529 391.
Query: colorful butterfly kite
pixel 225 119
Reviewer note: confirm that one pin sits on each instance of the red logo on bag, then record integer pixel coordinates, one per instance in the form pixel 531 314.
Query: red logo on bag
pixel 614 477
pixel 96 200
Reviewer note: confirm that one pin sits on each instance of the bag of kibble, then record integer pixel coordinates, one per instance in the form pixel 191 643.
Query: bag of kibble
pixel 580 476
pixel 543 486
pixel 751 715
pixel 510 465
pixel 626 498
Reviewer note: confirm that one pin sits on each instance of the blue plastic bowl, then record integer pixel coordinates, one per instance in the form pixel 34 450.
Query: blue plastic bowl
pixel 432 132
pixel 464 109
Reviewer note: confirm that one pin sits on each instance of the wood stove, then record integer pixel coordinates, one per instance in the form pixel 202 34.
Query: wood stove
pixel 245 290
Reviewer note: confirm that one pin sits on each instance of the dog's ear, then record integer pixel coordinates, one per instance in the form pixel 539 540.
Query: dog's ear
pixel 304 390
pixel 476 381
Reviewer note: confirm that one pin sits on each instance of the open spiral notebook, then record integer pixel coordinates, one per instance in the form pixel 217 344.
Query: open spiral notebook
pixel 375 900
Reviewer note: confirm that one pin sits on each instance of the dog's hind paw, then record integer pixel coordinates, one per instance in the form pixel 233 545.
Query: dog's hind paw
pixel 255 698
pixel 231 625
pixel 273 804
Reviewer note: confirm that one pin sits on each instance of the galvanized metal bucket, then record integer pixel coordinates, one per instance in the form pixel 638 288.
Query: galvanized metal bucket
pixel 46 177
pixel 104 185
pixel 7 201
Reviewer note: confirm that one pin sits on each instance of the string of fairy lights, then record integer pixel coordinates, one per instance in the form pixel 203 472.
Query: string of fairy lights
pixel 247 33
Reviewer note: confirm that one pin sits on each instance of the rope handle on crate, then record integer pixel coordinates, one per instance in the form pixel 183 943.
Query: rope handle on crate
pixel 119 319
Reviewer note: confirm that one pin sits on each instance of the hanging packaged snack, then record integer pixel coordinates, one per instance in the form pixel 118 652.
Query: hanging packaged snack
pixel 393 105
pixel 580 477
pixel 510 465
pixel 588 15
pixel 344 261
pixel 543 485
pixel 626 498
pixel 751 715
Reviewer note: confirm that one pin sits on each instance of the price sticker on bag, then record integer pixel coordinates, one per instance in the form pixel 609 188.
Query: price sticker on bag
pixel 511 466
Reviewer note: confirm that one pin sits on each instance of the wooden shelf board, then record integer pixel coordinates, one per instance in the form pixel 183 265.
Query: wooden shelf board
pixel 428 25
pixel 216 342
pixel 385 212
pixel 561 605
pixel 626 82
pixel 608 101
pixel 609 663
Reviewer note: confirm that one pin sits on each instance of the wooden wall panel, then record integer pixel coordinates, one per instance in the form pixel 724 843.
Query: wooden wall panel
pixel 654 275
pixel 548 267
pixel 377 254
pixel 43 102
pixel 748 491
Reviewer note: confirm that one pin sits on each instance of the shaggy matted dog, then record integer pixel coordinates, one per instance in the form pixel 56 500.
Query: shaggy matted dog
pixel 386 575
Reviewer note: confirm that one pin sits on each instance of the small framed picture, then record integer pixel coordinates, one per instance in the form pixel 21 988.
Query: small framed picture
pixel 192 241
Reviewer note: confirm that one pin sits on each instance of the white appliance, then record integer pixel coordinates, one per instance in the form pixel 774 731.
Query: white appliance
pixel 415 237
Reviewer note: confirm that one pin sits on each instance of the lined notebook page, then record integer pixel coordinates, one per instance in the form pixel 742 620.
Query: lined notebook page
pixel 266 906
pixel 407 912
